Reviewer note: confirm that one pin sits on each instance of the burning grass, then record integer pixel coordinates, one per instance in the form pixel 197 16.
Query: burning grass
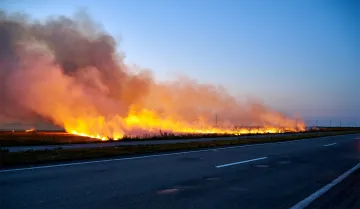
pixel 9 159
pixel 8 139
pixel 26 138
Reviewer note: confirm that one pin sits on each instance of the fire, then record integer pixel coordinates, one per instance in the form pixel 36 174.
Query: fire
pixel 102 138
pixel 147 121
pixel 30 130
pixel 90 90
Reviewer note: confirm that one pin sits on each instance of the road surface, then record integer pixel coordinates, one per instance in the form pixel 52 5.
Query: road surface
pixel 276 175
pixel 129 143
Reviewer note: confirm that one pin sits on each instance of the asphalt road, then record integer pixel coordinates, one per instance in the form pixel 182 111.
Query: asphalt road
pixel 129 143
pixel 276 175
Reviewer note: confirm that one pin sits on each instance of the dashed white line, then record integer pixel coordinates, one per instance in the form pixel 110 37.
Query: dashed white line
pixel 307 201
pixel 328 145
pixel 240 162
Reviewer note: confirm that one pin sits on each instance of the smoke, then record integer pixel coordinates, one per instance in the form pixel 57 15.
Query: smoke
pixel 67 70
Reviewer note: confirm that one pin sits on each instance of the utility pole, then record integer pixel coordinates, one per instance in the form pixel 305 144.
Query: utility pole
pixel 340 124
pixel 216 120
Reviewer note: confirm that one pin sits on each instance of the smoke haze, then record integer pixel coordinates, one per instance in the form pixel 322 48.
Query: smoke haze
pixel 67 70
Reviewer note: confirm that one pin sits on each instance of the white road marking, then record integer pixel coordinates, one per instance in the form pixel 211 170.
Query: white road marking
pixel 155 155
pixel 240 162
pixel 168 191
pixel 304 203
pixel 138 157
pixel 99 161
pixel 328 145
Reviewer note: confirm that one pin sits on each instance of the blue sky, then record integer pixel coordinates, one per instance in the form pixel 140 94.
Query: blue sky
pixel 297 56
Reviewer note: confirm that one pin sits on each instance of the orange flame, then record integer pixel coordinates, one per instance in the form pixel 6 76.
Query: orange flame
pixel 90 136
pixel 30 130
pixel 146 121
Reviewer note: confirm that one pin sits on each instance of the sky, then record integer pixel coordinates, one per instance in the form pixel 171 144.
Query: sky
pixel 297 56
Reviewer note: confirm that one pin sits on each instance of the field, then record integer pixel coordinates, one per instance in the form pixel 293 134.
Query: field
pixel 22 138
pixel 9 159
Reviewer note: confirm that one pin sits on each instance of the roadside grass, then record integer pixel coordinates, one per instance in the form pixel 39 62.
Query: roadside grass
pixel 9 139
pixel 10 159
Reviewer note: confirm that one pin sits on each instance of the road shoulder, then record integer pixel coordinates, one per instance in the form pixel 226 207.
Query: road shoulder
pixel 344 195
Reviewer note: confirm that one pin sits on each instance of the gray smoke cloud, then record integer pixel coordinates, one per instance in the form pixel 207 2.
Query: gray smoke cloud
pixel 67 70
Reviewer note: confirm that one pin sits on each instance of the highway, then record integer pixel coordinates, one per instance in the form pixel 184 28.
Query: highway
pixel 291 174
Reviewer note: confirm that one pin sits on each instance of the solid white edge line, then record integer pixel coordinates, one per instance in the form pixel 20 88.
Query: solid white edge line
pixel 99 161
pixel 150 156
pixel 327 145
pixel 138 157
pixel 307 201
pixel 241 162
